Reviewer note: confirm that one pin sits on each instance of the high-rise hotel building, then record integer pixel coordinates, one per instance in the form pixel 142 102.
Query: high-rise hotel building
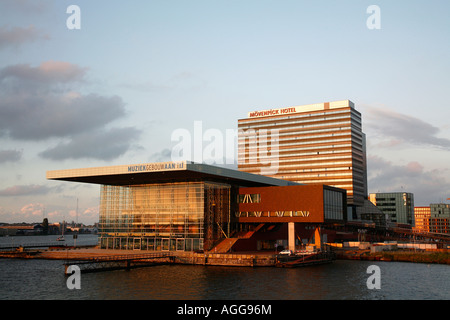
pixel 319 143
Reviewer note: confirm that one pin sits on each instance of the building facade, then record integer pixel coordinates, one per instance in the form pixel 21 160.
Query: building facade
pixel 178 216
pixel 398 205
pixel 312 144
pixel 302 203
pixel 183 206
pixel 422 219
pixel 440 218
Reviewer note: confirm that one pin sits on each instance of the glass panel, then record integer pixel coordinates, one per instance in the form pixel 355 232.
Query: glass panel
pixel 137 244
pixel 188 243
pixel 180 244
pixel 165 245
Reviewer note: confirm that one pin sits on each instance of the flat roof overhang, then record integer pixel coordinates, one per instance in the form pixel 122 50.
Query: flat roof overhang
pixel 163 172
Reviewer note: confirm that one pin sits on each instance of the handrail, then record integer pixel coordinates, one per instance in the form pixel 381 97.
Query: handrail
pixel 123 257
pixel 30 245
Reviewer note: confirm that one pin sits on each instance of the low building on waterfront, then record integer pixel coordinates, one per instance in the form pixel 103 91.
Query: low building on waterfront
pixel 20 229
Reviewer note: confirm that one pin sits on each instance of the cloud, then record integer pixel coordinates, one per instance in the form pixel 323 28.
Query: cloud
pixel 31 108
pixel 10 155
pixel 89 214
pixel 39 103
pixel 428 186
pixel 161 156
pixel 396 129
pixel 40 117
pixel 48 76
pixel 26 190
pixel 24 6
pixel 16 36
pixel 32 210
pixel 104 145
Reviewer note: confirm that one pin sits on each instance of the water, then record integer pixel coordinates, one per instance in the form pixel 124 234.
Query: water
pixel 82 240
pixel 34 279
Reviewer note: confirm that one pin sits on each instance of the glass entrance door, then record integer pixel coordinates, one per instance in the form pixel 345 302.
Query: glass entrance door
pixel 165 244
pixel 137 244
pixel 180 244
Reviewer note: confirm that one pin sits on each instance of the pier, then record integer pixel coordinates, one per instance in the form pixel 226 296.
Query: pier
pixel 93 259
pixel 117 262
pixel 18 246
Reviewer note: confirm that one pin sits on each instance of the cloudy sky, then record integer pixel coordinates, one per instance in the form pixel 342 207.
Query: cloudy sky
pixel 113 91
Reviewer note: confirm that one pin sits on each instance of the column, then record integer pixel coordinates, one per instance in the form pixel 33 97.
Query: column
pixel 291 236
pixel 317 238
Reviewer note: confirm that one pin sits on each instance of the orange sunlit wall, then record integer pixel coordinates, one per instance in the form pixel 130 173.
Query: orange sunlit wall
pixel 303 203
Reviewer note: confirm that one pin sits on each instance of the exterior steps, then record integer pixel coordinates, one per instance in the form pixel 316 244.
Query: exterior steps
pixel 224 246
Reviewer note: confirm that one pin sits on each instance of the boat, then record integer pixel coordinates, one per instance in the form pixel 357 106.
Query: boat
pixel 61 237
pixel 306 260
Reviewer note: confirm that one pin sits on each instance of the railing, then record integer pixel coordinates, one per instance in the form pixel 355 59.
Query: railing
pixel 114 262
pixel 32 245
pixel 127 257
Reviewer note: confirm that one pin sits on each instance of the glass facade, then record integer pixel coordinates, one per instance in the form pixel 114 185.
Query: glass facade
pixel 185 216
pixel 398 205
pixel 333 205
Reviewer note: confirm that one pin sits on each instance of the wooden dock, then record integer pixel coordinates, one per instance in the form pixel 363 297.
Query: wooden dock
pixel 117 262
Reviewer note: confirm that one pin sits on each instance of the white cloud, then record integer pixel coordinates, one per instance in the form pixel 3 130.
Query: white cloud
pixel 393 129
pixel 32 210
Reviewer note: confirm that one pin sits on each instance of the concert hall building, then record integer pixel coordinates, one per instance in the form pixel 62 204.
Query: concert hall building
pixel 185 206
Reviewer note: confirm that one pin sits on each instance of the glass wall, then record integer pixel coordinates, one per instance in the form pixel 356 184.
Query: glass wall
pixel 333 203
pixel 162 216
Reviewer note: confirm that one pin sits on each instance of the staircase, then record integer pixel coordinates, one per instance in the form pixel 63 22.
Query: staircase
pixel 226 244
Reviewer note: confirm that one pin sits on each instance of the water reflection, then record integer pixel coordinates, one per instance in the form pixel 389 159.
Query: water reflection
pixel 44 279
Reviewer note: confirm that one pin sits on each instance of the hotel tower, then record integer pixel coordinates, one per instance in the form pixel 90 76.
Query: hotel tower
pixel 319 143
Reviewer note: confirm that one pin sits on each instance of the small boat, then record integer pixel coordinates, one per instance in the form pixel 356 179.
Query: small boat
pixel 60 238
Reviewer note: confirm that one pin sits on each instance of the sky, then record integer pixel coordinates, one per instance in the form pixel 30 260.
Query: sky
pixel 110 84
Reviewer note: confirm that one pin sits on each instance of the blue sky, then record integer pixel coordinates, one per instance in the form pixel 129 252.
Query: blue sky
pixel 115 90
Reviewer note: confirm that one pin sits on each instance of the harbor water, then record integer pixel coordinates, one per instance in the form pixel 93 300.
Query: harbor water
pixel 36 279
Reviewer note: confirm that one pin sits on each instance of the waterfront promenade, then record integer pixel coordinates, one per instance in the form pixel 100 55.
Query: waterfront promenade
pixel 247 259
pixel 221 259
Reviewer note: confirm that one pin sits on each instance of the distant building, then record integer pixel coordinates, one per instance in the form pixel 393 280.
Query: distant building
pixel 398 205
pixel 21 229
pixel 439 210
pixel 422 219
pixel 439 218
